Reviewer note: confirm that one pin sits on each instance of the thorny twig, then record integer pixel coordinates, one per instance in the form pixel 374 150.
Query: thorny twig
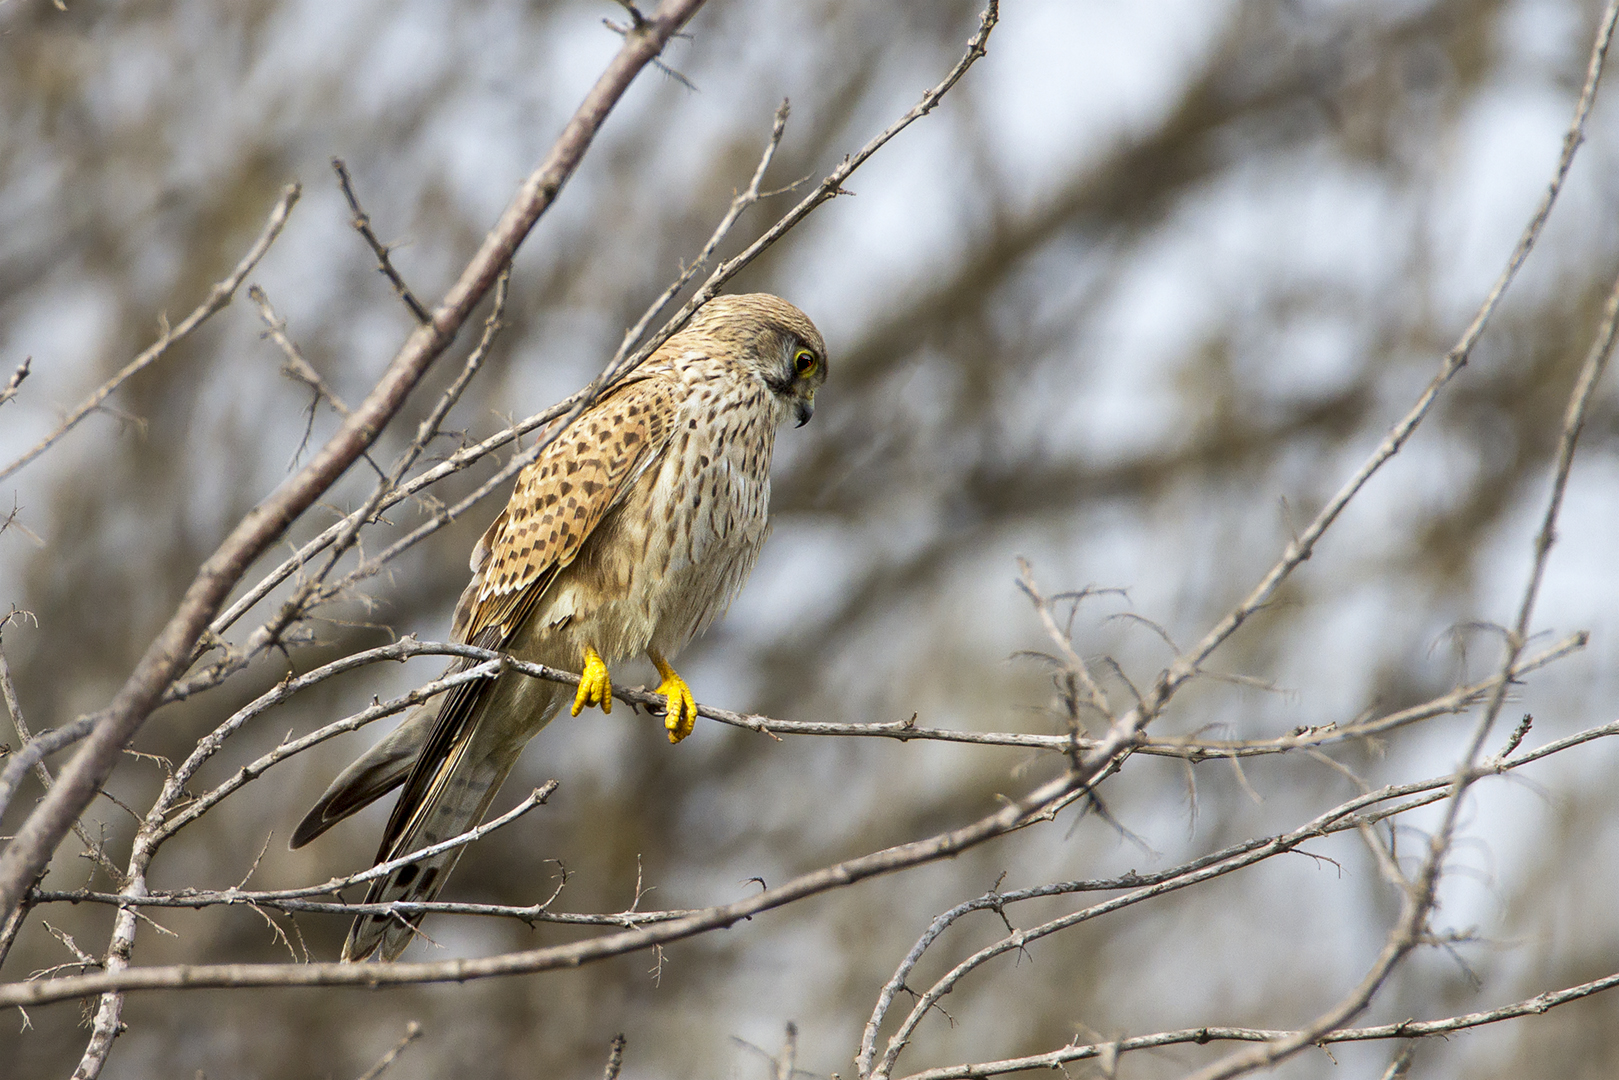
pixel 362 224
pixel 218 296
pixel 14 384
pixel 296 366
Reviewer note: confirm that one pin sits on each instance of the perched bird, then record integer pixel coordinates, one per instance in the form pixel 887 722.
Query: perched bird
pixel 633 529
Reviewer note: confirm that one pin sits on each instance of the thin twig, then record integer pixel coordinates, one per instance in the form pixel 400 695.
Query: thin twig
pixel 218 297
pixel 405 909
pixel 37 750
pixel 615 1058
pixel 296 366
pixel 1405 1029
pixel 786 1062
pixel 42 831
pixel 252 771
pixel 8 693
pixel 1076 666
pixel 413 1031
pixel 362 224
pixel 396 492
pixel 14 384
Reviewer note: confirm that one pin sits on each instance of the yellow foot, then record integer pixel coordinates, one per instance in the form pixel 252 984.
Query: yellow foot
pixel 680 708
pixel 595 686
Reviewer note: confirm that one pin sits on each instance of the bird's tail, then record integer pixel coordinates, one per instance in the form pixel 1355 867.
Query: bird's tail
pixel 457 782
pixel 450 809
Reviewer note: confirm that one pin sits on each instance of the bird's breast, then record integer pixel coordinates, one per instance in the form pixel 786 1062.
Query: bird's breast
pixel 675 553
pixel 710 508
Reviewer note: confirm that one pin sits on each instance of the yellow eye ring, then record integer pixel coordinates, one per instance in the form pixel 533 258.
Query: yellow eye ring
pixel 804 362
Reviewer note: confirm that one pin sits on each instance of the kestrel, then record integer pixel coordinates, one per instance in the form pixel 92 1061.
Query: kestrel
pixel 630 533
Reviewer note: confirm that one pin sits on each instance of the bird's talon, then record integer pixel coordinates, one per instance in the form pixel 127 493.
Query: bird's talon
pixel 680 708
pixel 595 685
pixel 680 711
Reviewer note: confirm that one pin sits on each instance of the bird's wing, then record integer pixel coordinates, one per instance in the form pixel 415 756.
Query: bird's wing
pixel 558 501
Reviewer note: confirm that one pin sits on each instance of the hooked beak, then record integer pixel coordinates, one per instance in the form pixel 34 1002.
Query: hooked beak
pixel 806 409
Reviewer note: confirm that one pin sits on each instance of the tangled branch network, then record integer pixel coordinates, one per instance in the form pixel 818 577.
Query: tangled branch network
pixel 1107 718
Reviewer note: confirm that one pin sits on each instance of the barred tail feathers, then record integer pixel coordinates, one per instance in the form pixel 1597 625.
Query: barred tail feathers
pixel 460 770
pixel 458 804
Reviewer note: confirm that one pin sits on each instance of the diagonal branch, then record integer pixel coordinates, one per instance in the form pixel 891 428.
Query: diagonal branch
pixel 1418 900
pixel 1405 1029
pixel 944 845
pixel 1301 548
pixel 218 297
pixel 166 658
pixel 385 266
pixel 14 384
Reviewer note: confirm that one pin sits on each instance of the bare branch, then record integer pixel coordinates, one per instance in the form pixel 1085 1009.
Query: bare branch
pixel 1406 1029
pixel 296 366
pixel 252 771
pixel 390 491
pixel 14 384
pixel 218 296
pixel 1076 666
pixel 167 656
pixel 615 1058
pixel 1195 750
pixel 362 224
pixel 413 1031
pixel 529 914
pixel 23 759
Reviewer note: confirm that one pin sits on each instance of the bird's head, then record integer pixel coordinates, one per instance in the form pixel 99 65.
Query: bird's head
pixel 773 340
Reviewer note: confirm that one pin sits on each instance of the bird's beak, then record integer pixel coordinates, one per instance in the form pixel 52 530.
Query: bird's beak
pixel 806 409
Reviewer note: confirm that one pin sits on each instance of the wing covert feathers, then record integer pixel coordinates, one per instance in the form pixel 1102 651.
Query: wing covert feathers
pixel 561 497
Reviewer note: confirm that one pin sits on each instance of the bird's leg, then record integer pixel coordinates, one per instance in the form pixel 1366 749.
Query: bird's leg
pixel 595 686
pixel 680 709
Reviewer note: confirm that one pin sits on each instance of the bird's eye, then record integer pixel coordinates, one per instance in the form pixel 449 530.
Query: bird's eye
pixel 804 361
